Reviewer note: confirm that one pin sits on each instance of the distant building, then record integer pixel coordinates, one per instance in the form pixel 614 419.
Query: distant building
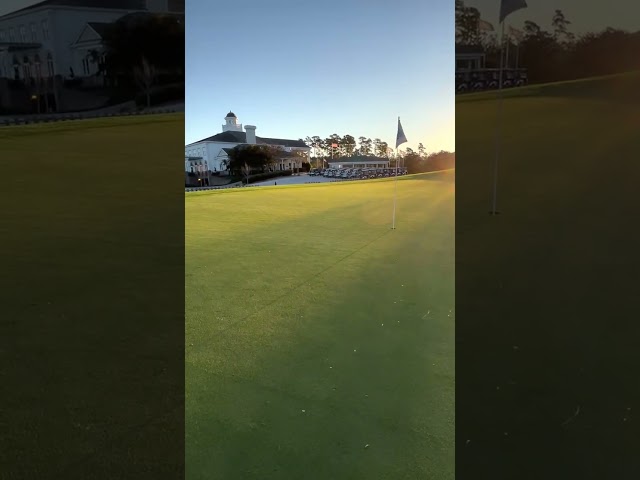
pixel 211 153
pixel 469 57
pixel 359 161
pixel 53 40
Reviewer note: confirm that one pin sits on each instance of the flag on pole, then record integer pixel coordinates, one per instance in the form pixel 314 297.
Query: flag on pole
pixel 400 138
pixel 334 145
pixel 484 26
pixel 517 34
pixel 507 7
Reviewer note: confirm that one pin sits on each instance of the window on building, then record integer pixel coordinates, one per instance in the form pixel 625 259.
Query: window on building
pixel 23 34
pixel 45 29
pixel 12 34
pixel 34 33
pixel 2 35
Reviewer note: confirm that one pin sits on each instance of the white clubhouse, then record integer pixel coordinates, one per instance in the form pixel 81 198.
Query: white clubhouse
pixel 210 153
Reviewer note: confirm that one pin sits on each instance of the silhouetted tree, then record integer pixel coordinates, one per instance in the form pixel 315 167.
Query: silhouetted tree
pixel 421 150
pixel 158 38
pixel 467 21
pixel 255 157
pixel 347 145
pixel 145 75
pixel 560 26
pixel 246 171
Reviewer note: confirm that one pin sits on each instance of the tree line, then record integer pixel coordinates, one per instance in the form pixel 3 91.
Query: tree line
pixel 552 52
pixel 346 146
pixel 416 161
pixel 247 160
pixel 144 56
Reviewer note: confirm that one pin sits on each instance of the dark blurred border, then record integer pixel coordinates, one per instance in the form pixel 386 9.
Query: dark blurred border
pixel 92 284
pixel 546 291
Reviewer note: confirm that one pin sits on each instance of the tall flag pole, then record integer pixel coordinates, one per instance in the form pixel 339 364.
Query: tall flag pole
pixel 400 139
pixel 517 34
pixel 507 7
pixel 484 26
pixel 508 42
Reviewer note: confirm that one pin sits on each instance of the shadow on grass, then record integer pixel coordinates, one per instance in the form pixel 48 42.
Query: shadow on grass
pixel 312 403
pixel 93 300
pixel 283 394
pixel 440 175
pixel 542 287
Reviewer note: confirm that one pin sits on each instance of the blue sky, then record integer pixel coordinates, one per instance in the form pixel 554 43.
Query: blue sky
pixel 298 68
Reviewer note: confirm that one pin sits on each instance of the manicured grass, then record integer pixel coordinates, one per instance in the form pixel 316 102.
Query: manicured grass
pixel 314 330
pixel 540 286
pixel 92 298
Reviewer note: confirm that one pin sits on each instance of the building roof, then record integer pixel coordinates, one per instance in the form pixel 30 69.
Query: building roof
pixel 280 154
pixel 285 154
pixel 231 115
pixel 13 47
pixel 111 4
pixel 281 141
pixel 226 137
pixel 359 159
pixel 241 137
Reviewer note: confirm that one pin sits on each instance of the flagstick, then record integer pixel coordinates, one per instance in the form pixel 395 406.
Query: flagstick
pixel 506 56
pixel 506 61
pixel 499 127
pixel 395 191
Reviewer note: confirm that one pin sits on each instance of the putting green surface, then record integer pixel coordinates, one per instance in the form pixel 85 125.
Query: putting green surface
pixel 540 287
pixel 319 342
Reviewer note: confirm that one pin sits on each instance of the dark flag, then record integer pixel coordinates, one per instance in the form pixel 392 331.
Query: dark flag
pixel 507 7
pixel 400 137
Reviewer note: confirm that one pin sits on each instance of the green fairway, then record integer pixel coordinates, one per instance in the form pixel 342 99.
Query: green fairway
pixel 92 291
pixel 540 285
pixel 320 343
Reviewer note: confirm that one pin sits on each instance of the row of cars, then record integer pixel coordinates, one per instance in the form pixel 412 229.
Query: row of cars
pixel 357 173
pixel 489 79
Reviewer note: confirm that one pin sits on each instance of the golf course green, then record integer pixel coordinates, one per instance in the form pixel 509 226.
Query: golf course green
pixel 319 342
pixel 544 353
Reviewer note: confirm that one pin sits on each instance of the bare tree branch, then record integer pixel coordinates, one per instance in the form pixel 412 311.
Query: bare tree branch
pixel 145 76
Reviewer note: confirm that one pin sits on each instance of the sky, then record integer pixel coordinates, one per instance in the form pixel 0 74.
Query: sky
pixel 8 6
pixel 584 15
pixel 303 68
